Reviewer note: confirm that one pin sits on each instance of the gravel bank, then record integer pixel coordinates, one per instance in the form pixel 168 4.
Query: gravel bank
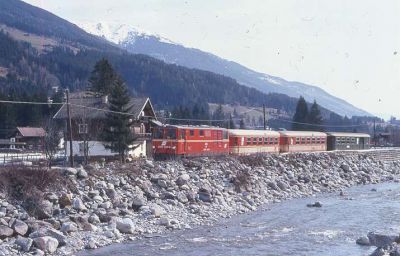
pixel 118 203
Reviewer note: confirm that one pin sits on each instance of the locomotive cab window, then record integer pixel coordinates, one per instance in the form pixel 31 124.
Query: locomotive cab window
pixel 225 133
pixel 158 134
pixel 182 134
pixel 171 134
pixel 201 133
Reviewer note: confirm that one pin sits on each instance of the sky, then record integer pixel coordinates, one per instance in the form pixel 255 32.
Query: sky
pixel 349 48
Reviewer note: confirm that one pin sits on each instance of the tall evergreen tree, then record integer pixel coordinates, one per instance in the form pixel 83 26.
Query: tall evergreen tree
pixel 241 124
pixel 219 116
pixel 117 133
pixel 231 123
pixel 102 77
pixel 315 118
pixel 301 115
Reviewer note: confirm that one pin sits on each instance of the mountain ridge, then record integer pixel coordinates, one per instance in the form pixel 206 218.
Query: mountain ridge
pixel 158 47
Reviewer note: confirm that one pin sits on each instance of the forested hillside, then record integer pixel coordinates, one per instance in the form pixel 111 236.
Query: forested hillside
pixel 40 51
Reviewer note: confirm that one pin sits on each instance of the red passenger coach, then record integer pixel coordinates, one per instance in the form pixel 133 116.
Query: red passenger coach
pixel 294 141
pixel 175 141
pixel 245 142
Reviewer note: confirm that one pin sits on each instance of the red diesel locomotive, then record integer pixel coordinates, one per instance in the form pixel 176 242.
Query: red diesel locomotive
pixel 180 140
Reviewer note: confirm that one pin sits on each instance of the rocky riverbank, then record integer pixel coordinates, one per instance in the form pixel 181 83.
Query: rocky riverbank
pixel 116 203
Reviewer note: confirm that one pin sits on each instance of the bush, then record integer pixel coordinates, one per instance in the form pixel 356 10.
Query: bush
pixel 27 185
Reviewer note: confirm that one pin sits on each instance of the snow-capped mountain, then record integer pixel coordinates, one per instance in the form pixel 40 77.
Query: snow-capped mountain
pixel 119 33
pixel 136 41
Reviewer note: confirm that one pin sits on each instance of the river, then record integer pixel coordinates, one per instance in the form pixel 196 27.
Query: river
pixel 287 228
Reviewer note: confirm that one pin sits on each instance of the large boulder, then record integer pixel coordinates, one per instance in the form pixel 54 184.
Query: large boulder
pixel 273 186
pixel 138 201
pixel 60 237
pixel 65 200
pixel 70 171
pixel 183 179
pixel 5 232
pixel 82 174
pixel 363 241
pixel 78 204
pixel 68 227
pixel 205 196
pixel 125 226
pixel 46 243
pixel 157 211
pixel 24 243
pixel 381 240
pixel 20 227
pixel 45 210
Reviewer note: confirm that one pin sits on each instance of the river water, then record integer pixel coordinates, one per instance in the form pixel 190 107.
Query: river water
pixel 287 228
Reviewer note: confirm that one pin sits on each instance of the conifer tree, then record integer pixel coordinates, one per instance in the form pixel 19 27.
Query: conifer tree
pixel 102 77
pixel 301 115
pixel 315 118
pixel 219 116
pixel 241 124
pixel 117 133
pixel 231 123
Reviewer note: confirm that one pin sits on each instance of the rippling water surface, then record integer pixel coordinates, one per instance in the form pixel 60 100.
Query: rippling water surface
pixel 288 228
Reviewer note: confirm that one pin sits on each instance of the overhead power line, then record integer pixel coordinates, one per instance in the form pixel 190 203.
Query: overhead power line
pixel 170 118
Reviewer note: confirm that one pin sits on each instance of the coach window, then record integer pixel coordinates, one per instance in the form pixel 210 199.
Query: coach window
pixel 265 141
pixel 254 141
pixel 313 140
pixel 235 141
pixel 297 140
pixel 303 140
pixel 191 133
pixel 308 140
pixel 248 140
pixel 276 141
pixel 201 133
pixel 260 140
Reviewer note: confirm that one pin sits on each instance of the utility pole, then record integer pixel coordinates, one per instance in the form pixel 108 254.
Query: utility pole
pixel 69 128
pixel 374 131
pixel 265 123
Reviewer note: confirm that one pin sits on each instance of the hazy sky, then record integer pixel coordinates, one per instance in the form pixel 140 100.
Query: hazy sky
pixel 349 48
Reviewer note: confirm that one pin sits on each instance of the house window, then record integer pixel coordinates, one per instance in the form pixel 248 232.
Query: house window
pixel 83 128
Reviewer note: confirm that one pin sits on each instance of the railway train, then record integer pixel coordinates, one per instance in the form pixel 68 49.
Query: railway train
pixel 172 141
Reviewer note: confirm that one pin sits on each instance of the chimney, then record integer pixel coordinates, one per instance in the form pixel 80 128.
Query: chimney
pixel 105 99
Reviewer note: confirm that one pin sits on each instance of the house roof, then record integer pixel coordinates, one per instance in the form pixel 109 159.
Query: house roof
pixel 94 107
pixel 31 131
